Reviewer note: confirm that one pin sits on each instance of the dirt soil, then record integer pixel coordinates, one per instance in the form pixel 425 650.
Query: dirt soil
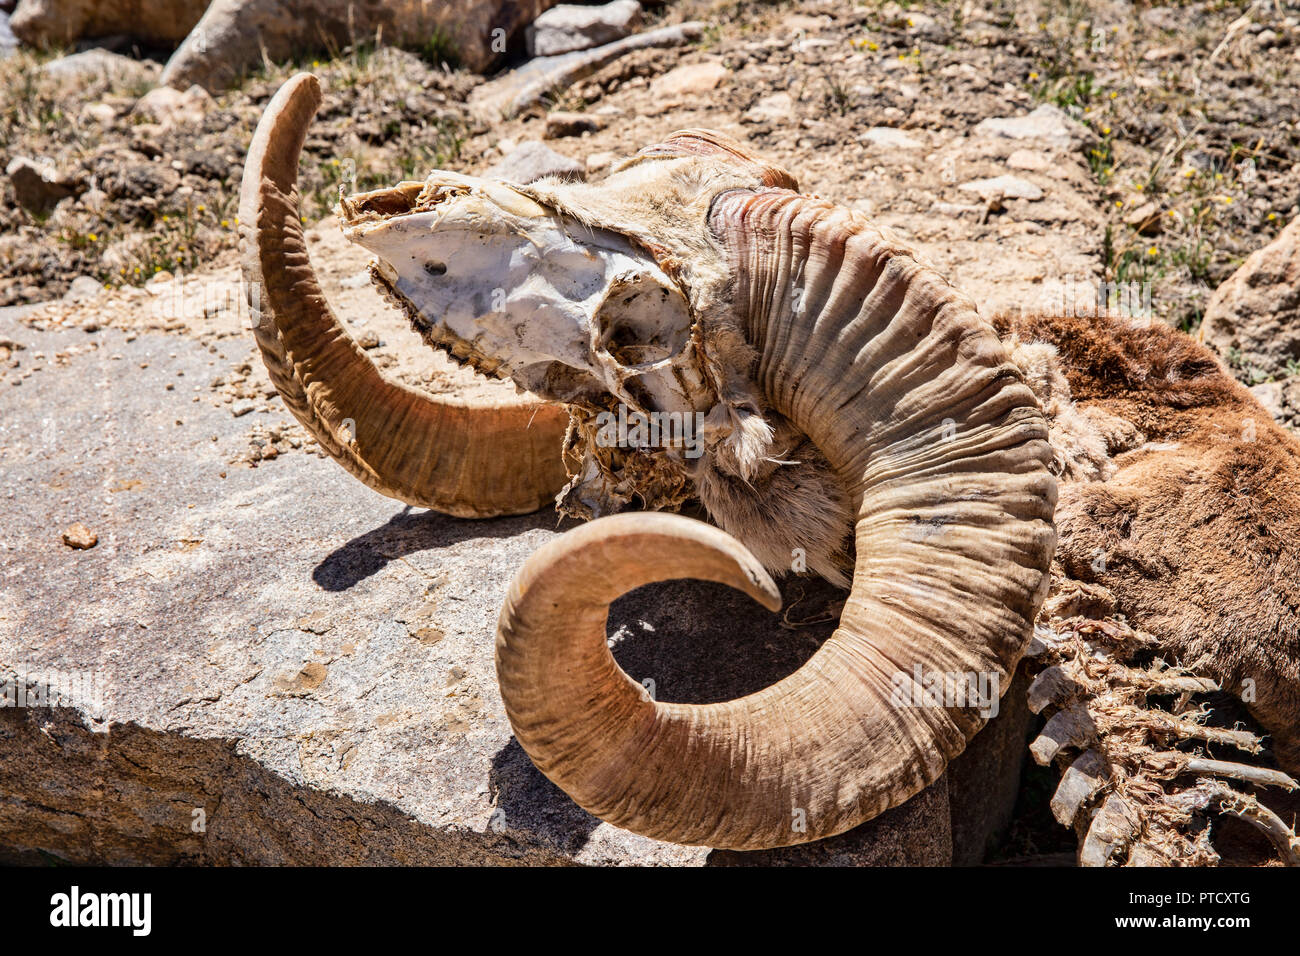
pixel 1179 159
pixel 1181 156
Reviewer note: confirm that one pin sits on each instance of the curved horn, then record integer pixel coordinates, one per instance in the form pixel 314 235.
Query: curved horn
pixel 944 451
pixel 470 459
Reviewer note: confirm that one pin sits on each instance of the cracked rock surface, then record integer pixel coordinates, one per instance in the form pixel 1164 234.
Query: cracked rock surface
pixel 263 662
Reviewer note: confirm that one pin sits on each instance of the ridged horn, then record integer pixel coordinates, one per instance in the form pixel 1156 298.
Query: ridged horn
pixel 910 396
pixel 469 458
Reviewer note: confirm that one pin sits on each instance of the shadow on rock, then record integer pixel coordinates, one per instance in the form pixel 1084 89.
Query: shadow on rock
pixel 527 801
pixel 408 532
pixel 699 643
pixel 127 795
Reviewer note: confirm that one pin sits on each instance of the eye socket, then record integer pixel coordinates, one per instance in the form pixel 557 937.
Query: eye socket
pixel 563 383
pixel 625 342
pixel 642 321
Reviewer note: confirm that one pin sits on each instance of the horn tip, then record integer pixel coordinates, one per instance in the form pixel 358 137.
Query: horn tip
pixel 765 591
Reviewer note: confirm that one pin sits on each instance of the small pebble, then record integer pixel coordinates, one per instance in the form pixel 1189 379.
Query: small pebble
pixel 80 537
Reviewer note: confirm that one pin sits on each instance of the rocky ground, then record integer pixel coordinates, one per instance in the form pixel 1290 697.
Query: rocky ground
pixel 1163 150
pixel 1034 152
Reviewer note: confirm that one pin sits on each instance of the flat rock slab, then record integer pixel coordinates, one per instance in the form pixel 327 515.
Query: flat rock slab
pixel 275 665
pixel 513 92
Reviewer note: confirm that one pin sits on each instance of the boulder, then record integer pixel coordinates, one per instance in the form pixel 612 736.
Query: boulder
pixel 774 108
pixel 100 64
pixel 569 27
pixel 169 107
pixel 1048 123
pixel 1002 187
pixel 1255 315
pixel 46 23
pixel 890 138
pixel 691 78
pixel 8 42
pixel 83 289
pixel 778 107
pixel 508 95
pixel 286 678
pixel 925 26
pixel 233 34
pixel 532 160
pixel 102 113
pixel 1033 160
pixel 38 186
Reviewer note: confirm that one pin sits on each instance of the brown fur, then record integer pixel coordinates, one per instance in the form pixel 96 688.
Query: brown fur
pixel 791 511
pixel 1197 530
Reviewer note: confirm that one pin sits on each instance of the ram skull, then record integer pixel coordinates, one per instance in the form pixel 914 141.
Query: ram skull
pixel 833 405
